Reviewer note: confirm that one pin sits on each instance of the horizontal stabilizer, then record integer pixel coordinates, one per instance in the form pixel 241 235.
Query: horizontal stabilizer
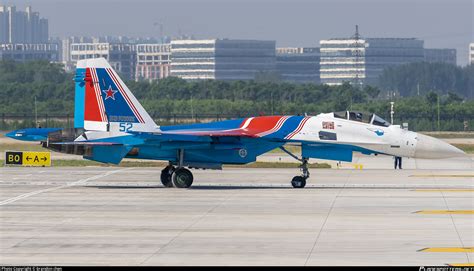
pixel 108 154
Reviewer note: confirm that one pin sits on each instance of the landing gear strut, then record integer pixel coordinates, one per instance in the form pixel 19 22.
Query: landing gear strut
pixel 299 181
pixel 178 176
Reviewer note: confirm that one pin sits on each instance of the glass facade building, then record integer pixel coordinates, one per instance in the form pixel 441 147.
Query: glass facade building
pixel 298 64
pixel 221 59
pixel 361 61
pixel 24 27
pixel 440 56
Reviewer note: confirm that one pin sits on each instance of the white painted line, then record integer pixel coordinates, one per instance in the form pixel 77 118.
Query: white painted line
pixel 79 182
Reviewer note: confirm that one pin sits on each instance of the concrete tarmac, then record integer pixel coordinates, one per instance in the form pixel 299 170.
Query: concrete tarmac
pixel 123 216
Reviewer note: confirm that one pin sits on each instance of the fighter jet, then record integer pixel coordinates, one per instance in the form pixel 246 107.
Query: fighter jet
pixel 110 124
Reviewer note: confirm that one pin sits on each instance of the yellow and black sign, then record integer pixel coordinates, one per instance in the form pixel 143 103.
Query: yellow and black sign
pixel 28 158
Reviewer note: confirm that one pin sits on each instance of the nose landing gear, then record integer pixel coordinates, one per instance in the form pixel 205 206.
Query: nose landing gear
pixel 299 181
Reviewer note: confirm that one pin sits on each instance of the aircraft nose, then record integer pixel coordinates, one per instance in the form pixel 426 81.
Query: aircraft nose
pixel 431 148
pixel 11 134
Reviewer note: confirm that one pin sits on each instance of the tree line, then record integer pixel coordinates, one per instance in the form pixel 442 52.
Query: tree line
pixel 420 78
pixel 53 88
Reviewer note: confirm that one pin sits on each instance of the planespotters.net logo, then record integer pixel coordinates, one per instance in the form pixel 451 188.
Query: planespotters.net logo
pixel 446 268
pixel 31 268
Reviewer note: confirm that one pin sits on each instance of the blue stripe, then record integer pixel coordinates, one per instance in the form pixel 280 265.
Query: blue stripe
pixel 79 98
pixel 288 127
pixel 117 109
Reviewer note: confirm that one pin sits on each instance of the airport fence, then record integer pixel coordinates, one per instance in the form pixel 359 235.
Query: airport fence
pixel 415 123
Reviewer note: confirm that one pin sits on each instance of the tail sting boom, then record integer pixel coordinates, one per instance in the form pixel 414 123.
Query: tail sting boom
pixel 104 103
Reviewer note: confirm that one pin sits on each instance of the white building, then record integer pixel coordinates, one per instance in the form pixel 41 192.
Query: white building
pixel 121 56
pixel 362 61
pixel 221 59
pixel 342 60
pixel 153 61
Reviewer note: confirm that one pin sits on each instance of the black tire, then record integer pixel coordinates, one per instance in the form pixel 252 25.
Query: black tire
pixel 165 177
pixel 182 178
pixel 298 182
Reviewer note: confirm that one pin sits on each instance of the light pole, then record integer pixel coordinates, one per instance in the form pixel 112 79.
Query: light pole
pixel 391 112
pixel 36 114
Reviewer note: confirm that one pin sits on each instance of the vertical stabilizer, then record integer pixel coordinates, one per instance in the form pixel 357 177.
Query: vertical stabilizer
pixel 105 103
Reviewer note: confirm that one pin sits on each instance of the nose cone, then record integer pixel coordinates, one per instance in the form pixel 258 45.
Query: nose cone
pixel 431 148
pixel 13 134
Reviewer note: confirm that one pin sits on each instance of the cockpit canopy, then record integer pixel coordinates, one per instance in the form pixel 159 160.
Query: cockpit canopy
pixel 362 117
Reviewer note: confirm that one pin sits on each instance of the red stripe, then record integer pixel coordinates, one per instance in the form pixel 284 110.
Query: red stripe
pixel 276 128
pixel 124 94
pixel 91 106
pixel 98 94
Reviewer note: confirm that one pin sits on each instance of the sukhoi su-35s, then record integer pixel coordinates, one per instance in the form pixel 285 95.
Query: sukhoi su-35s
pixel 110 124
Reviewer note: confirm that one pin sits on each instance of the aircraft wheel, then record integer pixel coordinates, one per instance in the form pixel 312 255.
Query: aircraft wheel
pixel 182 178
pixel 298 182
pixel 165 177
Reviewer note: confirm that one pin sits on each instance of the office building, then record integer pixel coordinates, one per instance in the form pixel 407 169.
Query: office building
pixel 362 61
pixel 471 53
pixel 22 27
pixel 153 61
pixel 121 56
pixel 222 59
pixel 298 64
pixel 440 56
pixel 27 52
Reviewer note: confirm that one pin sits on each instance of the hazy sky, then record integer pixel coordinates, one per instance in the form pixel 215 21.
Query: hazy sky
pixel 441 23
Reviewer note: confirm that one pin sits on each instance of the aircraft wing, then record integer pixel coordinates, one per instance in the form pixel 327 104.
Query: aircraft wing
pixel 213 133
pixel 86 143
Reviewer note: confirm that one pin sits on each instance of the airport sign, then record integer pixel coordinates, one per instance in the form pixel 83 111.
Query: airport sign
pixel 28 158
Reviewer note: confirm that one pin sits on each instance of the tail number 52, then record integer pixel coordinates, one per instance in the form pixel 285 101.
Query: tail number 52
pixel 125 126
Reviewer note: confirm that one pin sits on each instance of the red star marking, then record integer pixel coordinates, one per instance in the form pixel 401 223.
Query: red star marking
pixel 110 93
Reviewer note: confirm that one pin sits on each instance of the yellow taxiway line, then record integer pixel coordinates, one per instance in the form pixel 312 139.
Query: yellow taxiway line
pixel 445 190
pixel 448 176
pixel 448 249
pixel 446 212
pixel 461 264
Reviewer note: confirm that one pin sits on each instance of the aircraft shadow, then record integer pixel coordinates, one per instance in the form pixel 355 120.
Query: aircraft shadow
pixel 200 187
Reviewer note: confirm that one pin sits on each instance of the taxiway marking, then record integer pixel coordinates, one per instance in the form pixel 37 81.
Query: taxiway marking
pixel 449 176
pixel 79 182
pixel 448 249
pixel 445 190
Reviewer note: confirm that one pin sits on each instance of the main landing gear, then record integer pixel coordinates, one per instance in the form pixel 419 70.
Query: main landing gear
pixel 299 181
pixel 179 176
